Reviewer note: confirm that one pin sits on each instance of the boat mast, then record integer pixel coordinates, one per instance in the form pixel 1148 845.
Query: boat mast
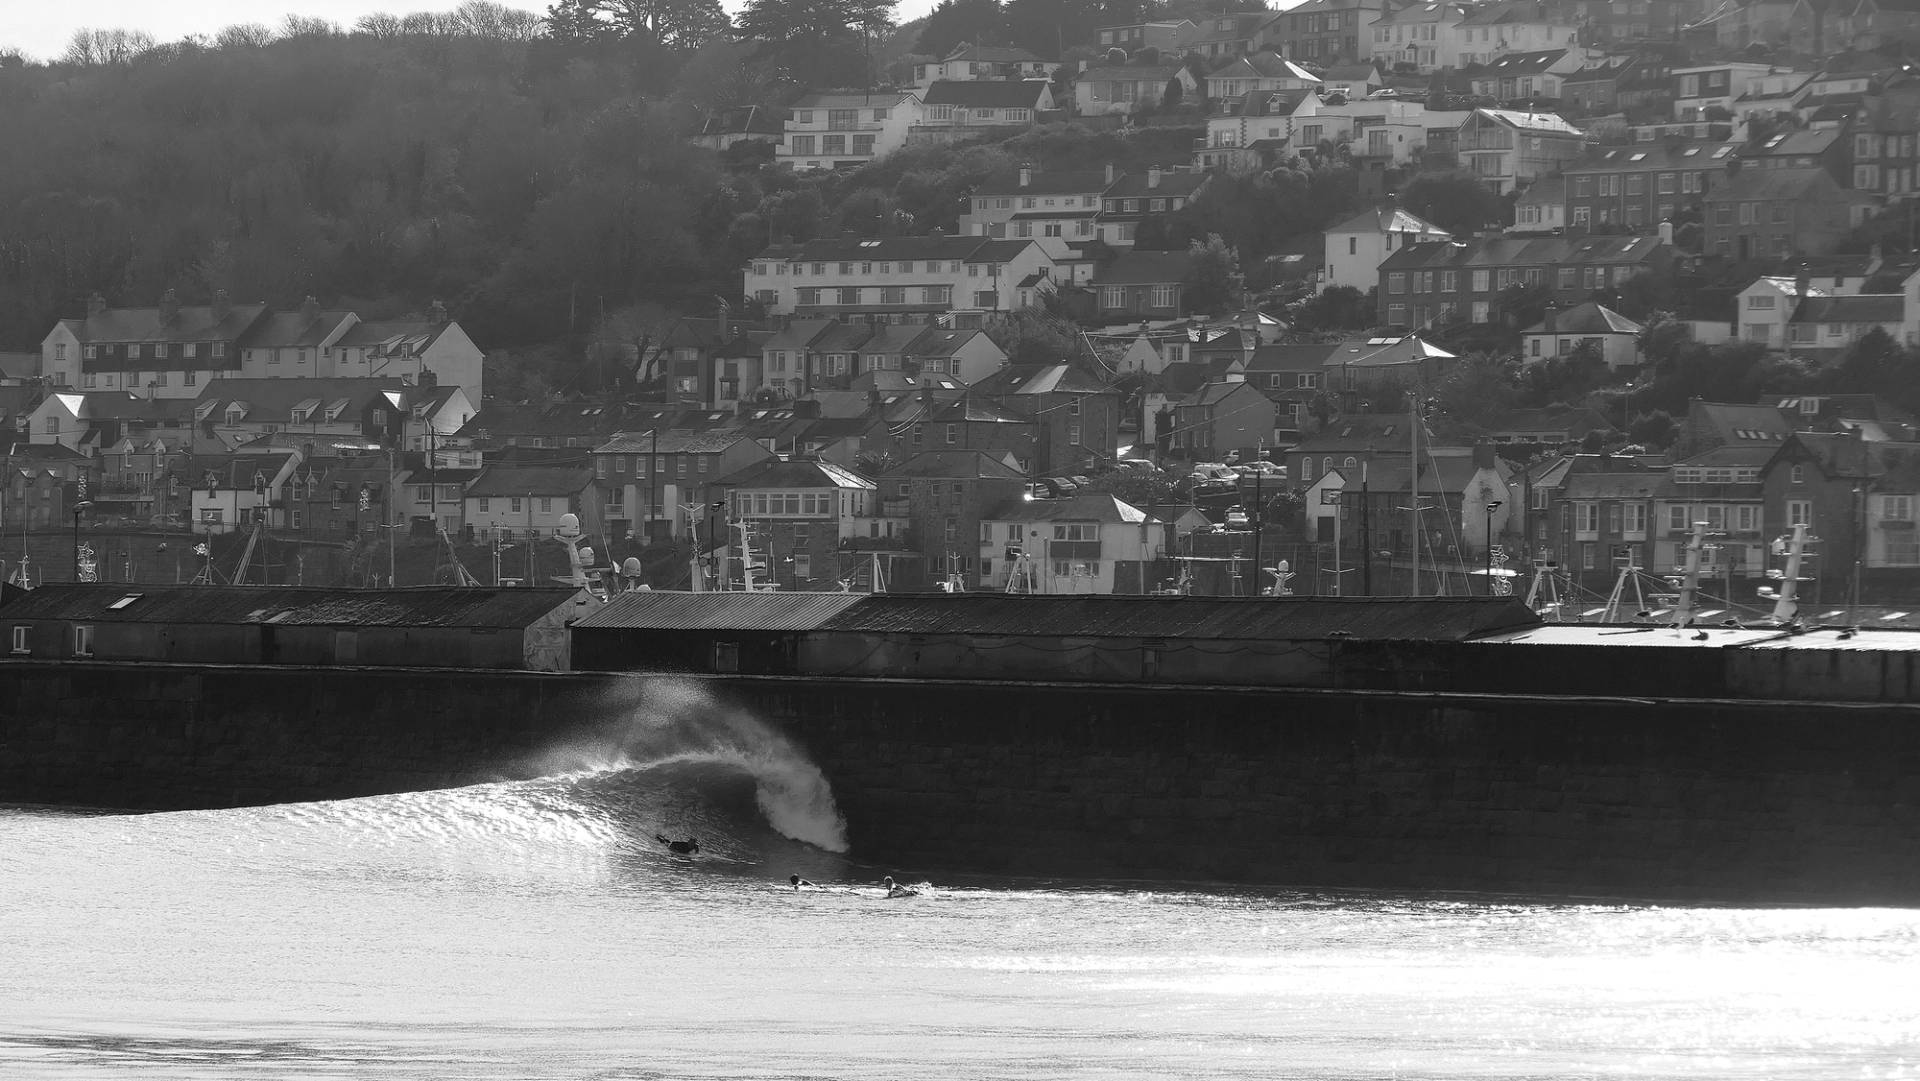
pixel 1413 482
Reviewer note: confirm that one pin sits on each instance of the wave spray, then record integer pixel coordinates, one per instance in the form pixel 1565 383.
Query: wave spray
pixel 664 722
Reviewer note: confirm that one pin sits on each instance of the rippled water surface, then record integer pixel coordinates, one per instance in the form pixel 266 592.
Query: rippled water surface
pixel 536 929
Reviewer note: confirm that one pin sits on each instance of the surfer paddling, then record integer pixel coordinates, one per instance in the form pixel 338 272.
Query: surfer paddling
pixel 797 882
pixel 685 848
pixel 895 890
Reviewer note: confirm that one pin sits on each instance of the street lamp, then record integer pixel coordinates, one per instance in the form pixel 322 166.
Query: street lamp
pixel 1492 505
pixel 392 472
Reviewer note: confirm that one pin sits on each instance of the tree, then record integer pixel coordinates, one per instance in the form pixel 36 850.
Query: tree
pixel 576 22
pixel 1456 202
pixel 1337 307
pixel 675 24
pixel 1036 337
pixel 953 22
pixel 1476 392
pixel 815 42
pixel 1213 277
pixel 1654 431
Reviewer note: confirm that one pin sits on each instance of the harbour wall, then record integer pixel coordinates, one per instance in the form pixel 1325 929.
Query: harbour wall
pixel 1665 799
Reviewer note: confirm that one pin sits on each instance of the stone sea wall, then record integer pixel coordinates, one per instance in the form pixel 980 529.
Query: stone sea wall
pixel 1745 801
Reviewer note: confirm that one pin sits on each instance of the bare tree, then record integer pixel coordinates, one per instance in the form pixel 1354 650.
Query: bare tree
pixel 308 26
pixel 382 25
pixel 633 339
pixel 244 36
pixel 424 24
pixel 92 48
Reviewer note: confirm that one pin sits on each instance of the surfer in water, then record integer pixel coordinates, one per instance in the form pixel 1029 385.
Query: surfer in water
pixel 687 847
pixel 797 882
pixel 895 890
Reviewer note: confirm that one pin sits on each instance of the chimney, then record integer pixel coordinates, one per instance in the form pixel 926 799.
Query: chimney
pixel 1550 316
pixel 1026 175
pixel 1876 255
pixel 1109 174
pixel 926 400
pixel 222 305
pixel 1801 282
pixel 437 314
pixel 428 380
pixel 310 309
pixel 96 306
pixel 169 308
pixel 1153 177
pixel 873 397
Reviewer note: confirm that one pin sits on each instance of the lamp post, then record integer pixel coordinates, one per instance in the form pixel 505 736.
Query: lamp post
pixel 1492 505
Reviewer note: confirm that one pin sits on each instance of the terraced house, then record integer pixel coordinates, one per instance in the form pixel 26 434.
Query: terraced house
pixel 1325 31
pixel 896 279
pixel 1640 185
pixel 1424 284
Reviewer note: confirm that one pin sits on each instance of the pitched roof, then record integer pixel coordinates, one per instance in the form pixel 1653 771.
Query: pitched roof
pixel 731 611
pixel 1359 431
pixel 1124 73
pixel 1771 184
pixel 1521 250
pixel 1507 14
pixel 1739 422
pixel 1041 379
pixel 1266 65
pixel 987 93
pixel 1536 122
pixel 1532 63
pixel 796 473
pixel 1652 157
pixel 1390 220
pixel 1145 268
pixel 992 54
pixel 851 99
pixel 544 480
pixel 1291 358
pixel 1546 191
pixel 283 606
pixel 231 472
pixel 1084 507
pixel 674 441
pixel 1177 181
pixel 190 323
pixel 944 342
pixel 1588 318
pixel 1213 393
pixel 974 464
pixel 1864 308
pixel 847 249
pixel 273 400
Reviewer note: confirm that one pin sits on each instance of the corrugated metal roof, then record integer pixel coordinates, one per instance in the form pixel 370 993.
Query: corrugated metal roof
pixel 664 610
pixel 1241 618
pixel 291 605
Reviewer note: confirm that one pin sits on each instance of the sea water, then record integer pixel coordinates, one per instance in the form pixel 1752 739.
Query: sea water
pixel 538 929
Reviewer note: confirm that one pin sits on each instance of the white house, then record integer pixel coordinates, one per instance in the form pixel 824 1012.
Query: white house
pixel 1561 333
pixel 1067 545
pixel 1490 32
pixel 1420 36
pixel 1269 70
pixel 894 279
pixel 1055 209
pixel 951 111
pixel 231 491
pixel 1355 248
pixel 1763 310
pixel 506 502
pixel 969 62
pixel 966 355
pixel 834 128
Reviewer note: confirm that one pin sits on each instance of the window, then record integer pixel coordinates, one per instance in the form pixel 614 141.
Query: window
pixel 1396 282
pixel 1482 281
pixel 1896 508
pixel 513 505
pixel 22 638
pixel 1633 524
pixel 1797 475
pixel 1586 518
pixel 1799 512
pixel 82 641
pixel 1163 296
pixel 1677 518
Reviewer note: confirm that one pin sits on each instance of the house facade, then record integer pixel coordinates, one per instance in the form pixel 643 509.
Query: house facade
pixel 945 495
pixel 1224 418
pixel 787 521
pixel 1636 187
pixel 1325 31
pixel 648 480
pixel 843 128
pixel 1433 283
pixel 1123 88
pixel 1355 248
pixel 953 110
pixel 1506 150
pixel 1055 210
pixel 894 279
pixel 1762 213
pixel 1081 544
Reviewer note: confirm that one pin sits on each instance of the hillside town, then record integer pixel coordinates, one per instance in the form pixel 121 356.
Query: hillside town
pixel 1364 299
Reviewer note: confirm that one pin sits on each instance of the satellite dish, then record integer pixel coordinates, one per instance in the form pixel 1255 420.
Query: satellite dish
pixel 631 567
pixel 569 525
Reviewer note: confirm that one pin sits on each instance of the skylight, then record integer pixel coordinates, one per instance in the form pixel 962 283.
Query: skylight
pixel 124 601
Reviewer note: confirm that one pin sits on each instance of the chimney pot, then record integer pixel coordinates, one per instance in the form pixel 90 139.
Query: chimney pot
pixel 1026 176
pixel 1109 174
